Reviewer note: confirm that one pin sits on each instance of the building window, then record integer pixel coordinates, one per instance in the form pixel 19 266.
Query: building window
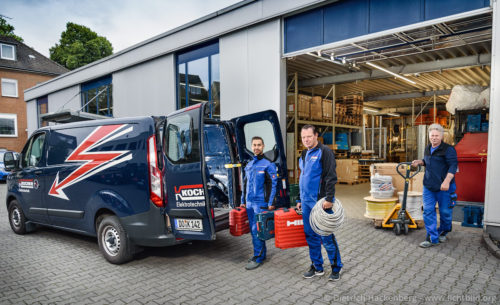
pixel 7 51
pixel 97 97
pixel 8 125
pixel 9 87
pixel 42 108
pixel 198 78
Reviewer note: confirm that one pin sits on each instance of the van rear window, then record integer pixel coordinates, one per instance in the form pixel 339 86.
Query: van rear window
pixel 180 140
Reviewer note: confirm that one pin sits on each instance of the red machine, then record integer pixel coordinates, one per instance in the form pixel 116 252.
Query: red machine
pixel 470 178
pixel 238 222
pixel 288 229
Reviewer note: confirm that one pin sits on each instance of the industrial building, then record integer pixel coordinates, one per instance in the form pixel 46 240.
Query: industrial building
pixel 372 74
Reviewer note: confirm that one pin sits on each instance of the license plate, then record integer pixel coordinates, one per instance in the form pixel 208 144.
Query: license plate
pixel 188 224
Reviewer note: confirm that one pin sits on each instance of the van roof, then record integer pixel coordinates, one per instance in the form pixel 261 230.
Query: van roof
pixel 91 123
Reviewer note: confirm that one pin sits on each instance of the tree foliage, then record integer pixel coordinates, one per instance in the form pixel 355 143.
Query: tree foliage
pixel 79 46
pixel 8 30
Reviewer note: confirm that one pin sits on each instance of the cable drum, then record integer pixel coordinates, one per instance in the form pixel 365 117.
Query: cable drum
pixel 323 223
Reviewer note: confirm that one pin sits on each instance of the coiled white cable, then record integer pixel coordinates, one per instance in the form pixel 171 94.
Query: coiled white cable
pixel 323 223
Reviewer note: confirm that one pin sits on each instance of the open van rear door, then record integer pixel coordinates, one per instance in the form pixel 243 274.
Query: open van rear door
pixel 185 175
pixel 266 125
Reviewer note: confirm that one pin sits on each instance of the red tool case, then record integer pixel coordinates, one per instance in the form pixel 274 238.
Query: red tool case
pixel 288 229
pixel 238 222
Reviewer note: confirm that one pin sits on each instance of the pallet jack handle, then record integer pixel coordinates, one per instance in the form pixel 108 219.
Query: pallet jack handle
pixel 407 165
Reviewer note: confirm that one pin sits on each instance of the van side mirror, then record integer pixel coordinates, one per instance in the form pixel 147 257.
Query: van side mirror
pixel 10 161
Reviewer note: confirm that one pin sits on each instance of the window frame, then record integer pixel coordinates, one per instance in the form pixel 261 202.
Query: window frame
pixel 96 84
pixel 207 50
pixel 44 100
pixel 13 51
pixel 10 80
pixel 10 116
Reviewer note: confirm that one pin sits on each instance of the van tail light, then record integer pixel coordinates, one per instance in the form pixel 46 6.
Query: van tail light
pixel 155 180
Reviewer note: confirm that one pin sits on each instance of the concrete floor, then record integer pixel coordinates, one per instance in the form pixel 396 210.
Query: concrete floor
pixel 354 205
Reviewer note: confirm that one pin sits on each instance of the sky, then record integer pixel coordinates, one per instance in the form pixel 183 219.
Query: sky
pixel 123 22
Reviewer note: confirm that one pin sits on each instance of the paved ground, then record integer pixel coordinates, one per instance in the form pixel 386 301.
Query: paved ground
pixel 50 266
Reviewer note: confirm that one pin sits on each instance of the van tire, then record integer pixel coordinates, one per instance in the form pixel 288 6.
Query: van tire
pixel 113 240
pixel 17 220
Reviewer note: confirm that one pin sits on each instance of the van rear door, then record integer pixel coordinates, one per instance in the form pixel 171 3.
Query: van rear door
pixel 264 124
pixel 185 175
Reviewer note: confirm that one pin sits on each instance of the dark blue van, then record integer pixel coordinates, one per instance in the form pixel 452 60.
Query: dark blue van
pixel 148 181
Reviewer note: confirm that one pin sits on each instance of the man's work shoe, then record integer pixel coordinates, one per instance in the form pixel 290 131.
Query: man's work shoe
pixel 313 272
pixel 252 264
pixel 427 244
pixel 335 276
pixel 442 239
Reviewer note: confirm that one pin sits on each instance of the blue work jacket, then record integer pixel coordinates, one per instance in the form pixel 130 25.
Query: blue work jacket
pixel 259 182
pixel 318 174
pixel 438 164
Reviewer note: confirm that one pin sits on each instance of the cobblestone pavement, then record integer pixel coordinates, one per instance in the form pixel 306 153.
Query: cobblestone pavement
pixel 50 266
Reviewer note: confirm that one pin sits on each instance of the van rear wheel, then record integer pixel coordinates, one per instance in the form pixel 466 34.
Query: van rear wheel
pixel 17 219
pixel 113 240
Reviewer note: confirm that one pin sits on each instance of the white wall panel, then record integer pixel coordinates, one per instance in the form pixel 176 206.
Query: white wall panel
pixel 146 89
pixel 492 202
pixel 250 70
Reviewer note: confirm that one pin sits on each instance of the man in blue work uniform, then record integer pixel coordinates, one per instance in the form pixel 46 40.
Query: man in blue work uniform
pixel 440 161
pixel 317 180
pixel 259 190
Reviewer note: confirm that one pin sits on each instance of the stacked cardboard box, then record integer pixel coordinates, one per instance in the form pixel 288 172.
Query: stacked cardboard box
pixel 347 170
pixel 327 110
pixel 389 169
pixel 316 108
pixel 303 105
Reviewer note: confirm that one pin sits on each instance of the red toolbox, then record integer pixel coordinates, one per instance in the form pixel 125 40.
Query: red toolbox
pixel 238 222
pixel 288 229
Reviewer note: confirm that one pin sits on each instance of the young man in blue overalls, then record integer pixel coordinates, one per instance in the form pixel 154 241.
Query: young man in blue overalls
pixel 318 177
pixel 259 190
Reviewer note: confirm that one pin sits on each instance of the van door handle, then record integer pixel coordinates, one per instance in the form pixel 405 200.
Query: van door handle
pixel 37 172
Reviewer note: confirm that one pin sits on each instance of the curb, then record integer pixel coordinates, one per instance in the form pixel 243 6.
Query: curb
pixel 490 245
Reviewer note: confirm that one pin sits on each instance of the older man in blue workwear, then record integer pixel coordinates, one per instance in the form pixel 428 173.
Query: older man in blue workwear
pixel 440 161
pixel 259 190
pixel 317 180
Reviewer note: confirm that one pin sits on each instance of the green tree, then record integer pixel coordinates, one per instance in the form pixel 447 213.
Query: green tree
pixel 79 46
pixel 8 30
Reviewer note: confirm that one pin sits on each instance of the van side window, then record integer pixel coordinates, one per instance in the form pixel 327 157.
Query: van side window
pixel 265 130
pixel 180 140
pixel 34 152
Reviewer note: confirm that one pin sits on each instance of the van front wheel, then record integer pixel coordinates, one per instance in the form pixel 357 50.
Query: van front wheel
pixel 113 240
pixel 17 219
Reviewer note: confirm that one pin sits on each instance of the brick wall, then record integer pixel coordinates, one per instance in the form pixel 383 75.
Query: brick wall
pixel 17 105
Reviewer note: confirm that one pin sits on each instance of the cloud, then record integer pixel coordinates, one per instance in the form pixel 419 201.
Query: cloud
pixel 123 22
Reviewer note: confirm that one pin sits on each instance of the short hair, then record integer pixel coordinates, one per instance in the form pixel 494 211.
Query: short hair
pixel 309 126
pixel 436 127
pixel 257 138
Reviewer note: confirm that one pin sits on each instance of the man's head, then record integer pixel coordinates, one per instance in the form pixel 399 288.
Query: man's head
pixel 257 145
pixel 436 134
pixel 309 136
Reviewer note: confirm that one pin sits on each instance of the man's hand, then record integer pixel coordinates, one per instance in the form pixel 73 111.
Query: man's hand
pixel 271 207
pixel 299 206
pixel 416 163
pixel 327 205
pixel 445 186
pixel 243 206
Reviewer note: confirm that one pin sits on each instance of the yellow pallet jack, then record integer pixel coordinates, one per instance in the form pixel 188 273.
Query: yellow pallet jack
pixel 399 219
